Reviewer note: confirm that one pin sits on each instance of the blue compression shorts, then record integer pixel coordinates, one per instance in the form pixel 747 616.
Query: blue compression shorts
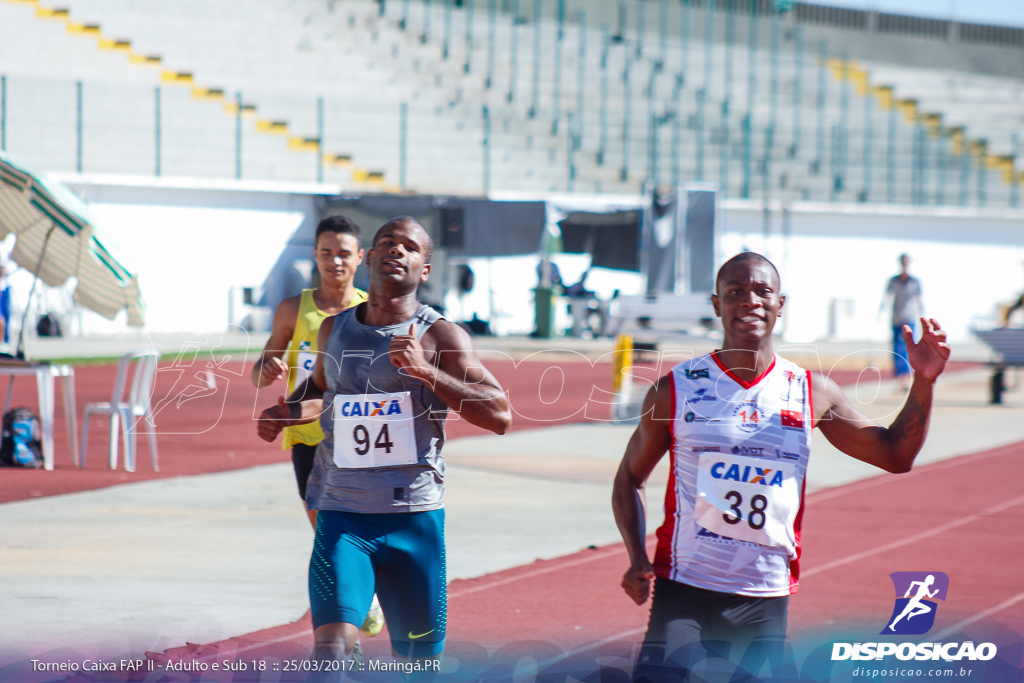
pixel 401 557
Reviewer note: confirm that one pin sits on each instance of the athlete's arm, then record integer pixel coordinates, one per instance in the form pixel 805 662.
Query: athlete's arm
pixel 270 367
pixel 459 378
pixel 305 403
pixel 646 447
pixel 893 449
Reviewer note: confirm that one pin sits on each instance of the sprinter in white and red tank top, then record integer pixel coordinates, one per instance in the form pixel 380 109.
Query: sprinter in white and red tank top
pixel 737 426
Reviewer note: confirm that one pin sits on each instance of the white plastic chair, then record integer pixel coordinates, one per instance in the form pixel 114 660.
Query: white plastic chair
pixel 123 412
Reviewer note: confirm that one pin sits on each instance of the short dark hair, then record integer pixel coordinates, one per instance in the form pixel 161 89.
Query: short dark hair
pixel 740 258
pixel 412 221
pixel 339 224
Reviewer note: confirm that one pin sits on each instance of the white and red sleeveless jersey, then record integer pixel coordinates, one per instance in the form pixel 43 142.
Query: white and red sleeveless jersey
pixel 734 502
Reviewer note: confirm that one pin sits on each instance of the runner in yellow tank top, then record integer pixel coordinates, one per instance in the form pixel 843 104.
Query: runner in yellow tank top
pixel 292 342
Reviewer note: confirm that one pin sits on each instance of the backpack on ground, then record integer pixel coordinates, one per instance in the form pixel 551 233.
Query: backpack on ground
pixel 20 445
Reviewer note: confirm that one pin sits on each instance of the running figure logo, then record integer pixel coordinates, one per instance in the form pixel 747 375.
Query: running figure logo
pixel 914 613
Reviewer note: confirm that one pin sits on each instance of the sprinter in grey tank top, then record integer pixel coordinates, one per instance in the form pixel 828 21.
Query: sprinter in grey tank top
pixel 388 373
pixel 365 368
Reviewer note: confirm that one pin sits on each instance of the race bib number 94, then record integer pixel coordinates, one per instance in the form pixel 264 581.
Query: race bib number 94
pixel 750 499
pixel 374 430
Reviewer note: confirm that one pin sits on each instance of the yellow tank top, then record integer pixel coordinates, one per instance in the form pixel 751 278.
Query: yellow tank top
pixel 300 357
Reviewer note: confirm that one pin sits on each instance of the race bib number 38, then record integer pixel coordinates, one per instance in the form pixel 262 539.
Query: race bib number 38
pixel 750 499
pixel 374 430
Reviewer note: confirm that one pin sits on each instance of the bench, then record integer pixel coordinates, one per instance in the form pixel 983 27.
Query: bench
pixel 1008 345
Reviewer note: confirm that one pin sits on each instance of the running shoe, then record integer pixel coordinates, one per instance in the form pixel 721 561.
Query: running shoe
pixel 374 622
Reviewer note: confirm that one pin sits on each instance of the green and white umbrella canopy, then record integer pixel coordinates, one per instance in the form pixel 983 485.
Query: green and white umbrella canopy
pixel 51 222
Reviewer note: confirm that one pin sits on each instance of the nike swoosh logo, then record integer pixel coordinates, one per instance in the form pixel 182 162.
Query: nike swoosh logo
pixel 412 637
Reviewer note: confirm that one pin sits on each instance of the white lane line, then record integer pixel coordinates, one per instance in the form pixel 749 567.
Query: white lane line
pixel 935 531
pixel 980 615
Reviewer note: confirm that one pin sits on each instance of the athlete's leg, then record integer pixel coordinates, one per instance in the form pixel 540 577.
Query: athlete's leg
pixel 412 589
pixel 672 645
pixel 755 630
pixel 339 602
pixel 919 609
pixel 302 462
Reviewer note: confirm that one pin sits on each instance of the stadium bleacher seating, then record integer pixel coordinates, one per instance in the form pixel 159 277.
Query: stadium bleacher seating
pixel 331 79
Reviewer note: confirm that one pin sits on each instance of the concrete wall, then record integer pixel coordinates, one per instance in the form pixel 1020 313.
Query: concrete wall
pixel 968 261
pixel 191 242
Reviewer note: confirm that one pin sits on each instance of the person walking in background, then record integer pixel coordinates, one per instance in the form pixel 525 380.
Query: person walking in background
pixel 904 291
pixel 5 305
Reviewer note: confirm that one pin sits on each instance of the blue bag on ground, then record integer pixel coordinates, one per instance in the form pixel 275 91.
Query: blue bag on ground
pixel 20 446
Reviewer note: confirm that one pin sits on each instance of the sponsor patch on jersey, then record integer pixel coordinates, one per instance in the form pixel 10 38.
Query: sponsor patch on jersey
pixel 707 449
pixel 701 395
pixel 747 450
pixel 748 474
pixel 699 373
pixel 693 417
pixel 787 454
pixel 792 419
pixel 748 417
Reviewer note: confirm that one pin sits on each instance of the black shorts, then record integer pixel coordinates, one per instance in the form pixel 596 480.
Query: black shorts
pixel 689 625
pixel 302 460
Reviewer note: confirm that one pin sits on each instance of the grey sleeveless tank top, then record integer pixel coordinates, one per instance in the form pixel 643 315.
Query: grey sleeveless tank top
pixel 356 361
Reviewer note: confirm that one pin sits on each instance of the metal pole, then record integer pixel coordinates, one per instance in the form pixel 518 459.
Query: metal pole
pixel 572 146
pixel 915 168
pixel 319 139
pixel 773 100
pixel 982 174
pixel 425 35
pixel 923 184
pixel 536 57
pixel 723 164
pixel 603 132
pixel 798 86
pixel 748 122
pixel 3 113
pixel 581 79
pixel 822 87
pixel 487 150
pixel 839 139
pixel 868 110
pixel 238 137
pixel 157 125
pixel 684 35
pixel 447 28
pixel 941 160
pixel 965 168
pixel 663 34
pixel 492 28
pixel 78 125
pixel 626 102
pixel 641 20
pixel 403 160
pixel 676 132
pixel 705 90
pixel 513 52
pixel 557 104
pixel 468 4
pixel 652 124
pixel 1014 182
pixel 890 172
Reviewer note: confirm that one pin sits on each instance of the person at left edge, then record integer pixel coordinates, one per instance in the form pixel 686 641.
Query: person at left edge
pixel 378 482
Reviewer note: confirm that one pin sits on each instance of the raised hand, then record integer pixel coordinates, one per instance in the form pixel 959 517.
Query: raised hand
pixel 406 352
pixel 927 357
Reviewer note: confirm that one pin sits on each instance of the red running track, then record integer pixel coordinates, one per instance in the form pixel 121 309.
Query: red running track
pixel 964 517
pixel 203 430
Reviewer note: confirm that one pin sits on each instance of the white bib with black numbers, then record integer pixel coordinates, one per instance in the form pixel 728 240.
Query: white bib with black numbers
pixel 374 430
pixel 751 499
